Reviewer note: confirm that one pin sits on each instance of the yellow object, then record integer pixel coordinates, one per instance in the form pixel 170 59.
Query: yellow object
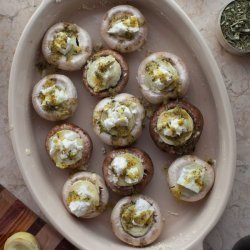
pixel 22 241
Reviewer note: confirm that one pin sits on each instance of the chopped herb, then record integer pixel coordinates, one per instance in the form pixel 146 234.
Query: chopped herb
pixel 235 24
pixel 44 68
pixel 98 46
pixel 211 162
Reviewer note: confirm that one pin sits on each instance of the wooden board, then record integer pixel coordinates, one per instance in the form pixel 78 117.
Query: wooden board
pixel 16 217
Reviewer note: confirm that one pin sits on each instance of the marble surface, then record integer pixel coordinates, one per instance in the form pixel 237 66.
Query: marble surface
pixel 235 222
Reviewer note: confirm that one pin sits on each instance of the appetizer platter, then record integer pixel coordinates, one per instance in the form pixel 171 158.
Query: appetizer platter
pixel 121 124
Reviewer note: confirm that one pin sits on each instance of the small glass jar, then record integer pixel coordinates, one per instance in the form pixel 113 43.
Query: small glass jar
pixel 222 40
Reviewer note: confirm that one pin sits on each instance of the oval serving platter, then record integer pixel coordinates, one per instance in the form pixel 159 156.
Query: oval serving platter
pixel 170 29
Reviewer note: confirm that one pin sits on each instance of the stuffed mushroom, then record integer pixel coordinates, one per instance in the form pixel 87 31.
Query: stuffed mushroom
pixel 124 28
pixel 162 76
pixel 136 220
pixel 68 146
pixel 54 97
pixel 127 171
pixel 176 127
pixel 106 73
pixel 118 120
pixel 85 195
pixel 190 178
pixel 67 46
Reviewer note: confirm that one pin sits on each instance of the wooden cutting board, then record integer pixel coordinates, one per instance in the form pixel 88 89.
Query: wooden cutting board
pixel 16 217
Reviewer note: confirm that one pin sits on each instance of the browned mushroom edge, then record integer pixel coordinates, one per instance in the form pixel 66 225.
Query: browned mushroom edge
pixel 87 149
pixel 94 178
pixel 189 145
pixel 121 83
pixel 153 233
pixel 147 176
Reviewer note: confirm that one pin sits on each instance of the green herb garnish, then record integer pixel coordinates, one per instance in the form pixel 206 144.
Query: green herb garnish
pixel 235 24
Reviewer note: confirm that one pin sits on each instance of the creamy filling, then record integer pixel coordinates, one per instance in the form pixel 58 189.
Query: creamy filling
pixel 83 198
pixel 175 126
pixel 126 170
pixel 117 116
pixel 138 217
pixel 119 120
pixel 65 42
pixel 161 76
pixel 53 96
pixel 103 73
pixel 66 148
pixel 125 27
pixel 191 177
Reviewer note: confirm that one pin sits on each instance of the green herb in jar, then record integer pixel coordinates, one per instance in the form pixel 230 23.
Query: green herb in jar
pixel 235 24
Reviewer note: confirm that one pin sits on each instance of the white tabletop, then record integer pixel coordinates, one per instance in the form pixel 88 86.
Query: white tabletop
pixel 235 222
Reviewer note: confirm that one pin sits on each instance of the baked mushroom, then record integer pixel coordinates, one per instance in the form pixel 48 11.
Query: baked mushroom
pixel 136 220
pixel 85 195
pixel 54 97
pixel 118 120
pixel 106 73
pixel 124 28
pixel 127 171
pixel 67 46
pixel 176 127
pixel 68 146
pixel 162 76
pixel 190 178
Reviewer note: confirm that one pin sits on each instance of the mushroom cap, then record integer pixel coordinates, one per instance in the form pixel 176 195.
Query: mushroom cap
pixel 77 61
pixel 124 45
pixel 189 145
pixel 87 147
pixel 157 98
pixel 147 165
pixel 135 132
pixel 94 178
pixel 152 234
pixel 71 92
pixel 121 83
pixel 174 173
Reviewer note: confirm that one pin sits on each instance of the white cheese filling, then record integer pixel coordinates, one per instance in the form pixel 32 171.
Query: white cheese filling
pixel 121 29
pixel 89 198
pixel 191 177
pixel 142 206
pixel 119 115
pixel 161 75
pixel 165 71
pixel 129 174
pixel 174 128
pixel 54 95
pixel 63 43
pixel 119 164
pixel 79 208
pixel 66 147
pixel 103 73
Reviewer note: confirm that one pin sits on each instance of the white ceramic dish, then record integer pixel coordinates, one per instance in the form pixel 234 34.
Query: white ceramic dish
pixel 186 225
